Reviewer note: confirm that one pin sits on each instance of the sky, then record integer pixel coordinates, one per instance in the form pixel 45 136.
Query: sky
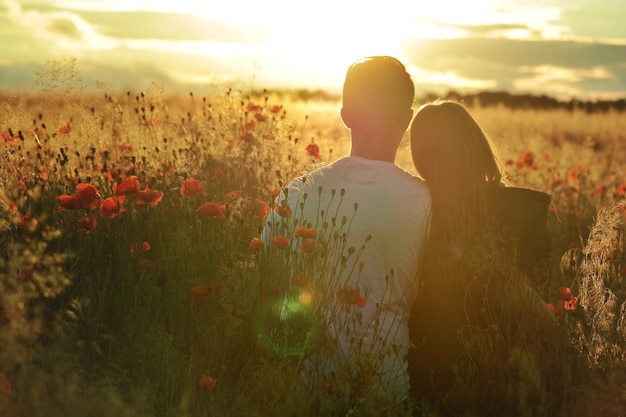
pixel 562 48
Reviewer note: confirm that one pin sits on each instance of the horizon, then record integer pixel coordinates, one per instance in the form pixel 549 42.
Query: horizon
pixel 566 50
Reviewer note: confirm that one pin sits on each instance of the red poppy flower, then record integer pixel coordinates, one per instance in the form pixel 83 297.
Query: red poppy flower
pixel 256 243
pixel 139 248
pixel 577 172
pixel 526 160
pixel 621 189
pixel 303 280
pixel 128 186
pixel 87 225
pixel 281 242
pixel 65 129
pixel 211 209
pixel 200 292
pixel 87 196
pixel 207 383
pixel 351 295
pixel 313 150
pixel 112 174
pixel 305 232
pixel 190 187
pixel 308 246
pixel 148 196
pixel 220 175
pixel 258 208
pixel 27 223
pixel 112 207
pixel 283 210
pixel 568 301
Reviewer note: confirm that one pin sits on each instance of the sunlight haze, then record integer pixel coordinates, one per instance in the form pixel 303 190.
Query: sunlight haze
pixel 566 49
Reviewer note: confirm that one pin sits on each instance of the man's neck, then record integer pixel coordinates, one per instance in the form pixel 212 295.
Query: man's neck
pixel 373 153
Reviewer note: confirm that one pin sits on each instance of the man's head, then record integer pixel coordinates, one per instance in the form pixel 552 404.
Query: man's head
pixel 377 95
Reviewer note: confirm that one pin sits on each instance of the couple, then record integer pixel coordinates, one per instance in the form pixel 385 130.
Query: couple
pixel 418 235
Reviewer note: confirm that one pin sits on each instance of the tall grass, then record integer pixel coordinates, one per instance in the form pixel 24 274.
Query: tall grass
pixel 160 305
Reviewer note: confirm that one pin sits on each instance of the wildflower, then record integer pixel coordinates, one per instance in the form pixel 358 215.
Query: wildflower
pixel 350 296
pixel 622 272
pixel 253 108
pixel 128 186
pixel 256 243
pixel 139 248
pixel 313 150
pixel 621 189
pixel 148 196
pixel 303 280
pixel 190 187
pixel 283 210
pixel 305 232
pixel 220 175
pixel 576 173
pixel 558 182
pixel 258 208
pixel 207 383
pixel 211 209
pixel 308 246
pixel 568 301
pixel 200 292
pixel 526 160
pixel 27 223
pixel 112 207
pixel 273 192
pixel 87 225
pixel 260 117
pixel 276 108
pixel 65 129
pixel 280 242
pixel 87 196
pixel 112 174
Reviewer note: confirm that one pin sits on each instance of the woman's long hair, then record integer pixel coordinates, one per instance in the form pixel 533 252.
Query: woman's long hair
pixel 453 154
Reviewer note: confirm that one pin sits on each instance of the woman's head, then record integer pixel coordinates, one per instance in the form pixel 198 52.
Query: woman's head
pixel 450 150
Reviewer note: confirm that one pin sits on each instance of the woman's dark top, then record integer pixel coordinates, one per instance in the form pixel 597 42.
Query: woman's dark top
pixel 518 220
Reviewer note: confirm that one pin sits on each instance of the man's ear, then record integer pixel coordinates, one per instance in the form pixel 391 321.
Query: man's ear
pixel 346 117
pixel 408 118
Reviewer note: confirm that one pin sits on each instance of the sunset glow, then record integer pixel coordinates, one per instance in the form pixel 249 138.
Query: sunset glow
pixel 280 44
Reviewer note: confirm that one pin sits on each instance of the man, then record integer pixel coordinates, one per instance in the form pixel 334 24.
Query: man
pixel 379 215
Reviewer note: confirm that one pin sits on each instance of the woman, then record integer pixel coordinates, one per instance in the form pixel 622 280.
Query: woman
pixel 488 247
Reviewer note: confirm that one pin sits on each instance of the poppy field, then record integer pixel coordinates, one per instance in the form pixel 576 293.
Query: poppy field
pixel 134 280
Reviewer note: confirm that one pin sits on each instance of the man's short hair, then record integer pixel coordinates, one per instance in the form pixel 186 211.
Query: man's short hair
pixel 378 81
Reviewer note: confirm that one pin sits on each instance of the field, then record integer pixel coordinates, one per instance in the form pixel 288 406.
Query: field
pixel 132 284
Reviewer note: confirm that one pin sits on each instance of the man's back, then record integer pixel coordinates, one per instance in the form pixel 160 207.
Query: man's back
pixel 385 209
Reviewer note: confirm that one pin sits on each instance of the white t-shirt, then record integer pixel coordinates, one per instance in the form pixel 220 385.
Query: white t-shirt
pixel 392 209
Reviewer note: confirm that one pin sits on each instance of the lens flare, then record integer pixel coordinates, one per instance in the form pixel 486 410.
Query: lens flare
pixel 287 327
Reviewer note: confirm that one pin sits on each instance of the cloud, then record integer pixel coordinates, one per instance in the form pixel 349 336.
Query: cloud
pixel 550 67
pixel 173 26
pixel 61 29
